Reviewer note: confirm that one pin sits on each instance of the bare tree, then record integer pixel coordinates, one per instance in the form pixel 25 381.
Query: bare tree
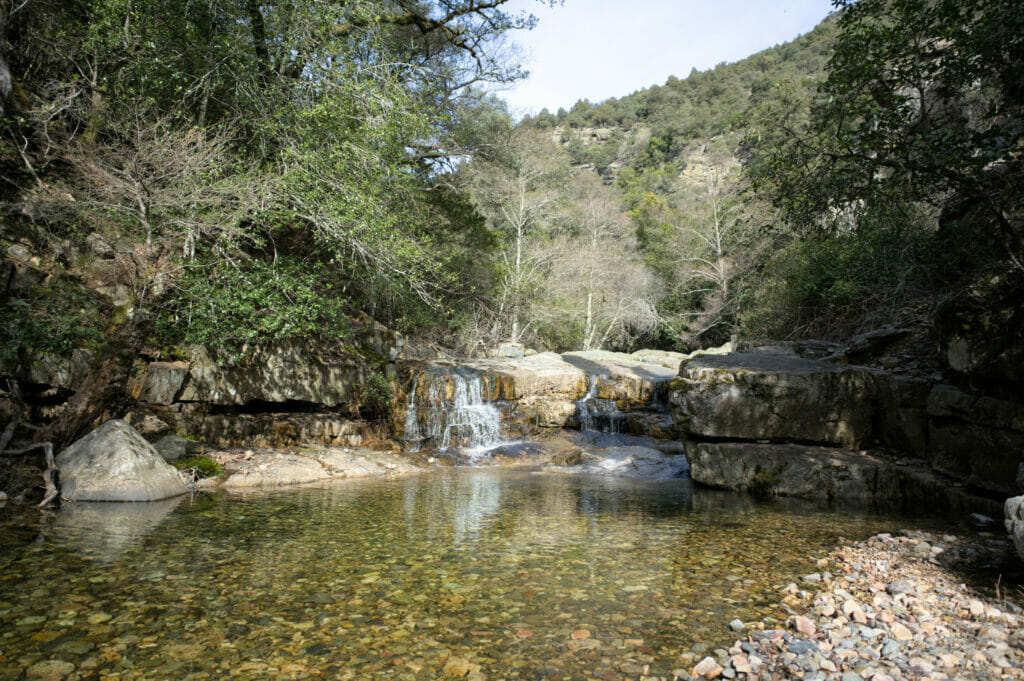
pixel 598 280
pixel 521 198
pixel 714 239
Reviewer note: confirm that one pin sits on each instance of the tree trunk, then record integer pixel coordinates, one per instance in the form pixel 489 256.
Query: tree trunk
pixel 102 390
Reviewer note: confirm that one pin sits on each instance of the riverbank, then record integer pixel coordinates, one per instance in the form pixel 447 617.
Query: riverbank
pixel 887 608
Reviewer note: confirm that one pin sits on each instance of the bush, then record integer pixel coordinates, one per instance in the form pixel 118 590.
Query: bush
pixel 204 466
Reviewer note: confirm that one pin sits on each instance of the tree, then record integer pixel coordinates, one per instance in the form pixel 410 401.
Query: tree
pixel 597 280
pixel 519 195
pixel 924 102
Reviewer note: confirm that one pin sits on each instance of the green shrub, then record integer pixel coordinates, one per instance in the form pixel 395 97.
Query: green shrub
pixel 204 466
pixel 55 318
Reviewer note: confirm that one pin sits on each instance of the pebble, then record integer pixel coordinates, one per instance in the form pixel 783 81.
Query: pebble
pixel 804 625
pixel 736 625
pixel 893 611
pixel 708 668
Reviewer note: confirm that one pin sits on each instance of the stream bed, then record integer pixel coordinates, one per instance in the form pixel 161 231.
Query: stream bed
pixel 478 573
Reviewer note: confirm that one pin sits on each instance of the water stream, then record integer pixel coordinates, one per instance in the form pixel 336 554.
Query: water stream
pixel 598 414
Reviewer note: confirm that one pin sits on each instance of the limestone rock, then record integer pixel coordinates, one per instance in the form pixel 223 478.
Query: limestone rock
pixel 1014 511
pixel 158 382
pixel 115 463
pixel 510 350
pixel 765 395
pixel 280 374
pixel 249 469
pixel 99 245
pixel 66 372
pixel 174 447
pixel 622 378
pixel 978 439
pixel 821 473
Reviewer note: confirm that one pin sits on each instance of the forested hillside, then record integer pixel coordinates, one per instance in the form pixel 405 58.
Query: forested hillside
pixel 236 174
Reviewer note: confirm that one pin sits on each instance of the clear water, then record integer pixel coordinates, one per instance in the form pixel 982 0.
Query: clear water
pixel 494 568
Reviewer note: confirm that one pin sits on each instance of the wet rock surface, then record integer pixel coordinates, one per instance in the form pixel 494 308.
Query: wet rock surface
pixel 269 468
pixel 826 473
pixel 890 607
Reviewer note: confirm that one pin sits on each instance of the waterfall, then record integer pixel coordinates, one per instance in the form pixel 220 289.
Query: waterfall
pixel 463 420
pixel 598 414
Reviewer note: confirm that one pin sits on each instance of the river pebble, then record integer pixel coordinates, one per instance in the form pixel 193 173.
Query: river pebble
pixel 900 610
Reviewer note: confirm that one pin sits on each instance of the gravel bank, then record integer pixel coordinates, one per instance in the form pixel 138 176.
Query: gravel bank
pixel 890 607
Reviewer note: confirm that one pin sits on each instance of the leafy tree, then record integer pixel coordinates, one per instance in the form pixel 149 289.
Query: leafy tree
pixel 923 102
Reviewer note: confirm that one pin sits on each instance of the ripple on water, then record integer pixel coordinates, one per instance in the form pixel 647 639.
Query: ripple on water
pixel 473 573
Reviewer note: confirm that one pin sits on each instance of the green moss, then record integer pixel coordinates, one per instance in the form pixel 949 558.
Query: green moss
pixel 765 482
pixel 205 466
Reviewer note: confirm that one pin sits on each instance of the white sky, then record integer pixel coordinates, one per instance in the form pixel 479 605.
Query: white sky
pixel 596 49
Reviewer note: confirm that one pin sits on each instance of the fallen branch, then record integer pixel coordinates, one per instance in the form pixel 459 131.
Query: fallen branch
pixel 51 468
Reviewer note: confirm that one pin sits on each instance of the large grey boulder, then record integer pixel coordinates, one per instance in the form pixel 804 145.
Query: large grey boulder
pixel 115 463
pixel 761 394
pixel 1014 511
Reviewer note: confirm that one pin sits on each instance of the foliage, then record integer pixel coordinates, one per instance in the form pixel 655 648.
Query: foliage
pixel 54 318
pixel 229 307
pixel 297 144
pixel 204 466
pixel 922 103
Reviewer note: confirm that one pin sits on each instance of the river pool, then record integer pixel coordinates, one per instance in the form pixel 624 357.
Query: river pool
pixel 479 573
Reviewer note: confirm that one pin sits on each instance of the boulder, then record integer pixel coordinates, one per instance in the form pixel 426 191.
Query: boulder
pixel 115 463
pixel 175 447
pixel 1014 512
pixel 158 382
pixel 764 395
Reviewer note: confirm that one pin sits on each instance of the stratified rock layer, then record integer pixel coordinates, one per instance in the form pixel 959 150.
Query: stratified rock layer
pixel 115 463
pixel 762 394
pixel 822 473
pixel 770 420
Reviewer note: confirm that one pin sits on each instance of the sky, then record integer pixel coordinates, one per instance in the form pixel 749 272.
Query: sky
pixel 596 49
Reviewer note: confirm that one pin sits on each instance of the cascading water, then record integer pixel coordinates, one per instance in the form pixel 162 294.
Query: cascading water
pixel 597 414
pixel 463 420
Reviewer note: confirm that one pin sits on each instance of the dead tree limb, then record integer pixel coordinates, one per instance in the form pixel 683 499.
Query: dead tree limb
pixel 51 467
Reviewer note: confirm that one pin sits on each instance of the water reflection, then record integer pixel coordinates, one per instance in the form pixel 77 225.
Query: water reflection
pixel 105 530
